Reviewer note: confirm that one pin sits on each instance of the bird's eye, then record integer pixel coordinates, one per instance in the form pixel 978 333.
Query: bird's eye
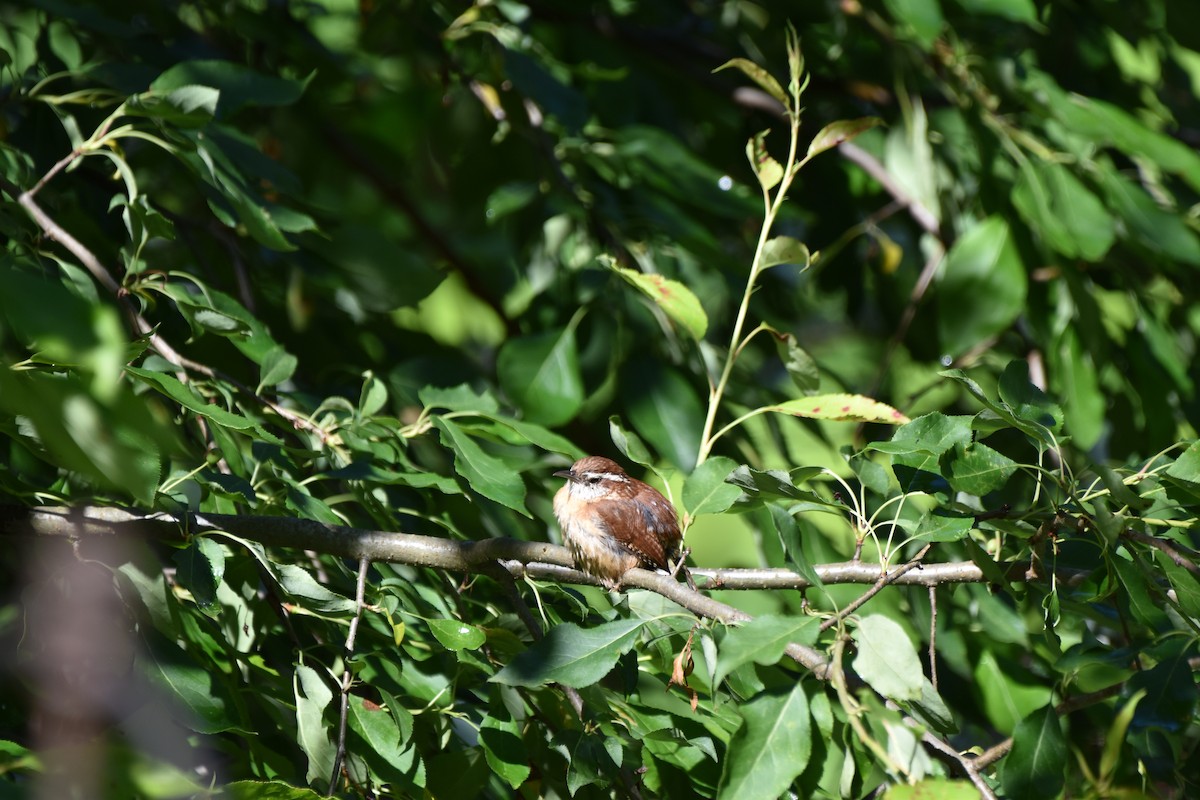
pixel 593 479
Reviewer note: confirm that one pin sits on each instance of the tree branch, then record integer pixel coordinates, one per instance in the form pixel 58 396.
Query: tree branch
pixel 536 559
pixel 882 581
pixel 539 560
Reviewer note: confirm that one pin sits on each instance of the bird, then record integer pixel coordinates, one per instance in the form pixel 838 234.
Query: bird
pixel 612 522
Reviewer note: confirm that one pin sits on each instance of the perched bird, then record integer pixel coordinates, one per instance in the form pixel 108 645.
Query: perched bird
pixel 613 523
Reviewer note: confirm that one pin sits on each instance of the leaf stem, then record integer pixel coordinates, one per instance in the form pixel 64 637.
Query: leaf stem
pixel 736 343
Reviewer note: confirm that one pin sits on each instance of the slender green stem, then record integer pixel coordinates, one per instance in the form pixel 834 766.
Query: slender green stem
pixel 771 207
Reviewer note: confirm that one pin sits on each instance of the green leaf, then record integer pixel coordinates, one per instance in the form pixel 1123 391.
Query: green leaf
pixel 1145 607
pixel 766 168
pixel 298 583
pixel 528 433
pixel 1035 768
pixel 458 398
pixel 571 655
pixel 784 250
pixel 171 386
pixel 771 748
pixel 1187 466
pixel 930 788
pixel 486 474
pixel 278 365
pixel 506 753
pixel 1114 742
pixel 932 710
pixel 373 396
pixel 937 527
pixel 456 635
pixel 1085 404
pixel 798 363
pixel 979 469
pixel 1170 690
pixel 921 443
pixel 377 728
pixel 841 407
pixel 541 374
pixel 1069 217
pixel 1005 700
pixel 628 443
pixel 238 85
pixel 185 106
pixel 835 133
pixel 789 529
pixel 1025 400
pixel 380 272
pixel 300 500
pixel 982 289
pixel 762 640
pixel 1015 10
pixel 201 566
pixel 203 704
pixel 664 408
pixel 705 490
pixel 887 660
pixel 1038 432
pixel 312 733
pixel 761 484
pixel 920 19
pixel 1156 229
pixel 675 299
pixel 1184 582
pixel 759 76
pixel 267 790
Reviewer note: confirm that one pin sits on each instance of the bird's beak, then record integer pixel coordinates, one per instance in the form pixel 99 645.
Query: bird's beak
pixel 565 473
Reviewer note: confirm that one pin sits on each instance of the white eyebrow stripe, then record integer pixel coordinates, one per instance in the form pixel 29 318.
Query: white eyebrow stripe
pixel 612 476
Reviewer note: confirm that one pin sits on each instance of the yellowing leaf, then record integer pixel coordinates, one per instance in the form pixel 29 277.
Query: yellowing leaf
pixel 785 250
pixel 759 76
pixel 767 169
pixel 843 130
pixel 672 297
pixel 841 407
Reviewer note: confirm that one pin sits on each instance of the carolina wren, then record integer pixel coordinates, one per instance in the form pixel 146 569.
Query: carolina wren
pixel 613 523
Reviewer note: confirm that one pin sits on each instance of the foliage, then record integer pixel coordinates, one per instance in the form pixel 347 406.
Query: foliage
pixel 390 265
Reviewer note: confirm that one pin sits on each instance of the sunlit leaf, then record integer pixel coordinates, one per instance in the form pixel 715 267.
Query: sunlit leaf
pixel 982 289
pixel 759 76
pixel 672 297
pixel 456 635
pixel 768 170
pixel 541 374
pixel 762 640
pixel 705 490
pixel 785 250
pixel 841 407
pixel 486 473
pixel 844 130
pixel 887 659
pixel 571 655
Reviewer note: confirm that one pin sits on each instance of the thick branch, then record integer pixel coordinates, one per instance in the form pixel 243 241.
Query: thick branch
pixel 537 559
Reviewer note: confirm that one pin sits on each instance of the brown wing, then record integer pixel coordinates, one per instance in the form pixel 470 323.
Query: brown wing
pixel 645 525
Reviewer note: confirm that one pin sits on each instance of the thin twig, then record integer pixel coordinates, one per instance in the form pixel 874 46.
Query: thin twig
pixel 969 765
pixel 1166 548
pixel 1068 706
pixel 933 676
pixel 139 323
pixel 885 579
pixel 873 167
pixel 347 677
